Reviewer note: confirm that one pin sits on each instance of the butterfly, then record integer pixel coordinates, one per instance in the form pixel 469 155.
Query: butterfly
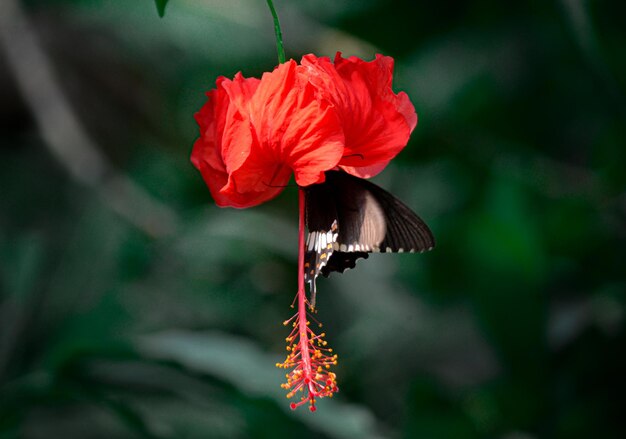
pixel 348 217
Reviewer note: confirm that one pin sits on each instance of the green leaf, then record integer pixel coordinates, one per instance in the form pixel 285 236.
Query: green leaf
pixel 160 4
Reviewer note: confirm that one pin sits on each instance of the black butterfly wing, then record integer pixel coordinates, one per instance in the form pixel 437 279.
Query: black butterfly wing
pixel 363 218
pixel 405 231
pixel 321 221
pixel 336 211
pixel 342 261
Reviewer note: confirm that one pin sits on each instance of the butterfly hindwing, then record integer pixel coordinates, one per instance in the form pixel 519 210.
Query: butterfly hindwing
pixel 342 261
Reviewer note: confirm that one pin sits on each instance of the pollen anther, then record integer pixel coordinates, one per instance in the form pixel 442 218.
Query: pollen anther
pixel 309 361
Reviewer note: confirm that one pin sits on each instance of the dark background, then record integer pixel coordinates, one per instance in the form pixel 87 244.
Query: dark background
pixel 131 306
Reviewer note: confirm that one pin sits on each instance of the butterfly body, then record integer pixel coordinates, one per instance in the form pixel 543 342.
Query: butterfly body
pixel 348 217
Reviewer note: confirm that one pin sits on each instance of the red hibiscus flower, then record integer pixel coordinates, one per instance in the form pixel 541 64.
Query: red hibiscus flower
pixel 303 118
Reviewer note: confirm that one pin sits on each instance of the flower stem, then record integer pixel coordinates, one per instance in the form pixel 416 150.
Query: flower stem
pixel 277 31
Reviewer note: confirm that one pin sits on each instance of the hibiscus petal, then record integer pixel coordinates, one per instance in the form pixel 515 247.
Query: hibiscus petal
pixel 365 171
pixel 206 153
pixel 293 130
pixel 225 142
pixel 217 182
pixel 376 121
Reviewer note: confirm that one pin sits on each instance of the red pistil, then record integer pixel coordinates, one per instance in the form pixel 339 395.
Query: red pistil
pixel 308 356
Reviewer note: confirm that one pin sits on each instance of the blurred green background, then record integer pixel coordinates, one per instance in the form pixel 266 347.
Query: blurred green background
pixel 132 307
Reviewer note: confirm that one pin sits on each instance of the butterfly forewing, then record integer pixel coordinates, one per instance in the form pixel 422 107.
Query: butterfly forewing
pixel 405 230
pixel 358 217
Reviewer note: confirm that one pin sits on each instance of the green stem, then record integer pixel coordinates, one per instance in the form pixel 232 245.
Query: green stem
pixel 279 34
